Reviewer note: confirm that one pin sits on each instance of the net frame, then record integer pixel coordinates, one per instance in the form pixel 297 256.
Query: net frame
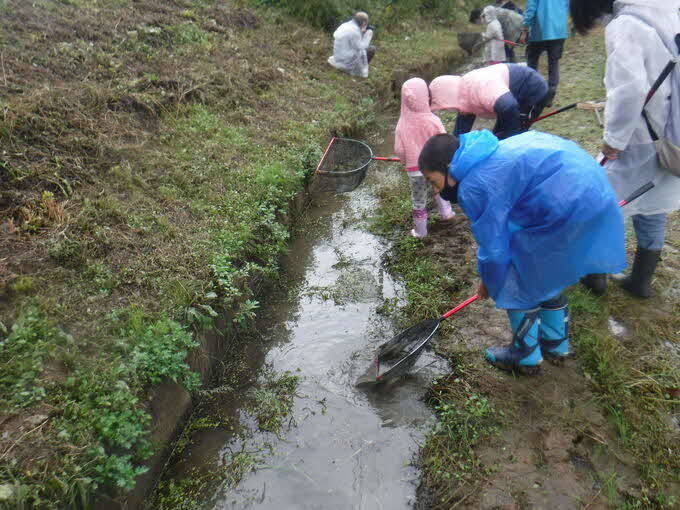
pixel 340 154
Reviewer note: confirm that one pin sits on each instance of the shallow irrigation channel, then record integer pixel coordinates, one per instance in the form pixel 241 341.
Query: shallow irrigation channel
pixel 302 435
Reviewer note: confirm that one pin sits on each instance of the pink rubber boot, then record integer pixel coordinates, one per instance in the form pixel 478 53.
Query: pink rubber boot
pixel 419 222
pixel 444 208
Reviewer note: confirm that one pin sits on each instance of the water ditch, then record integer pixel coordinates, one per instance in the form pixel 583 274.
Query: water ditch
pixel 341 446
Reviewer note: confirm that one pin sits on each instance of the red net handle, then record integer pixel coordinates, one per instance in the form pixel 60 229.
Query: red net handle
pixel 469 300
pixel 328 147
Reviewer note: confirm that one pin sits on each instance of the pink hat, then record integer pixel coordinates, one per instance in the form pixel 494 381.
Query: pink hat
pixel 445 93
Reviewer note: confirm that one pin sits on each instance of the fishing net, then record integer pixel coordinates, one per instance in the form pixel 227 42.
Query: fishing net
pixel 470 41
pixel 397 357
pixel 343 166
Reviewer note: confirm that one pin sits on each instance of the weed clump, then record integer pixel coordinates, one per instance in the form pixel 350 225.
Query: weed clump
pixel 67 253
pixel 273 401
pixel 448 459
pixel 95 420
pixel 22 354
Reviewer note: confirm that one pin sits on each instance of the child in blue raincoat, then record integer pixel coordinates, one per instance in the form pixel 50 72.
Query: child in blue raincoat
pixel 543 215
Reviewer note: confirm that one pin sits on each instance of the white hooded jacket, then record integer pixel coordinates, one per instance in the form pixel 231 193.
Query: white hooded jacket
pixel 493 35
pixel 637 40
pixel 349 49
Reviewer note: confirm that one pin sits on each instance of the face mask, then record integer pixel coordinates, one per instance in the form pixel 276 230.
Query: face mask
pixel 449 192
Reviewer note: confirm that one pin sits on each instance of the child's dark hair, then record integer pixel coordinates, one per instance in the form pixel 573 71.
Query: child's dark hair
pixel 475 14
pixel 438 152
pixel 584 13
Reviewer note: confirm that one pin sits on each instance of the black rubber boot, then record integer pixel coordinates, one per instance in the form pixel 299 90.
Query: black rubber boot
pixel 596 283
pixel 639 282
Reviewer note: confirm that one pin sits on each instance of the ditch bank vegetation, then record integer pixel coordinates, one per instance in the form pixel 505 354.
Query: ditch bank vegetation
pixel 153 157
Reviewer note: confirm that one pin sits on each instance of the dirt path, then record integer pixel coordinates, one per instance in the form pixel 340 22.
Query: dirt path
pixel 546 453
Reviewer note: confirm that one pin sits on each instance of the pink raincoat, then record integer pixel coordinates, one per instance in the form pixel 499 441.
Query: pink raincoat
pixel 416 123
pixel 473 93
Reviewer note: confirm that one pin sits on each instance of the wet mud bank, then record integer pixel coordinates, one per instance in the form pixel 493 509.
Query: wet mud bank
pixel 219 358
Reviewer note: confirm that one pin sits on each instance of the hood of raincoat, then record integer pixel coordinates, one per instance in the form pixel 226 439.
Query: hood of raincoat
pixel 415 97
pixel 475 147
pixel 654 13
pixel 347 27
pixel 489 14
pixel 416 122
pixel 445 92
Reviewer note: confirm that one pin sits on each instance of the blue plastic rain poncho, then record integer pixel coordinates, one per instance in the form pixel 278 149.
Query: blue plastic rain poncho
pixel 542 212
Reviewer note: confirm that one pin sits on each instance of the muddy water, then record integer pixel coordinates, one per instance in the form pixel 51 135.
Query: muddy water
pixel 345 447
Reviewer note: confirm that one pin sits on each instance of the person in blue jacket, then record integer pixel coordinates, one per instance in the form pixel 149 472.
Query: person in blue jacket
pixel 545 28
pixel 543 214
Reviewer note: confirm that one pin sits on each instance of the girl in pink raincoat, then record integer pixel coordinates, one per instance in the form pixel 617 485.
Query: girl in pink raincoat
pixel 416 125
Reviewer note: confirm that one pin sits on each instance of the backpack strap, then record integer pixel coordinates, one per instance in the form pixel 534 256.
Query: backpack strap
pixel 655 86
pixel 662 77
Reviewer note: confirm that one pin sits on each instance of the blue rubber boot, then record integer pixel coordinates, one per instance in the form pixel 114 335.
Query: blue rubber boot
pixel 554 335
pixel 523 354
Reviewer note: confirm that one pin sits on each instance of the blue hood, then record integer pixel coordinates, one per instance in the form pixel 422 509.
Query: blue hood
pixel 475 147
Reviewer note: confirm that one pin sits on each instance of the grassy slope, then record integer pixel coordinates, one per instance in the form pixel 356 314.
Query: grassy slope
pixel 503 441
pixel 149 153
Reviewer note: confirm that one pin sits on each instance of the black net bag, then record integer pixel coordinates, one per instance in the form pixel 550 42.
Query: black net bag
pixel 396 357
pixel 343 165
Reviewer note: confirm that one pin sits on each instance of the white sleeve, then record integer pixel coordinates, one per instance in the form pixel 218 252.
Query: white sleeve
pixel 625 79
pixel 487 35
pixel 498 30
pixel 365 40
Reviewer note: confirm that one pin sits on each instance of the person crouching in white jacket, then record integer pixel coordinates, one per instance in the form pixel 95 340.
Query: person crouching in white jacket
pixel 352 50
pixel 639 43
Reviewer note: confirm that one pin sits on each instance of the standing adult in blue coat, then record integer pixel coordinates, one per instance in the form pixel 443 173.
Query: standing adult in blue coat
pixel 543 215
pixel 545 29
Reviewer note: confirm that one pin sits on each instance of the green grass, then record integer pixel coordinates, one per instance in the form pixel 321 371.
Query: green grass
pixel 100 416
pixel 634 391
pixel 448 459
